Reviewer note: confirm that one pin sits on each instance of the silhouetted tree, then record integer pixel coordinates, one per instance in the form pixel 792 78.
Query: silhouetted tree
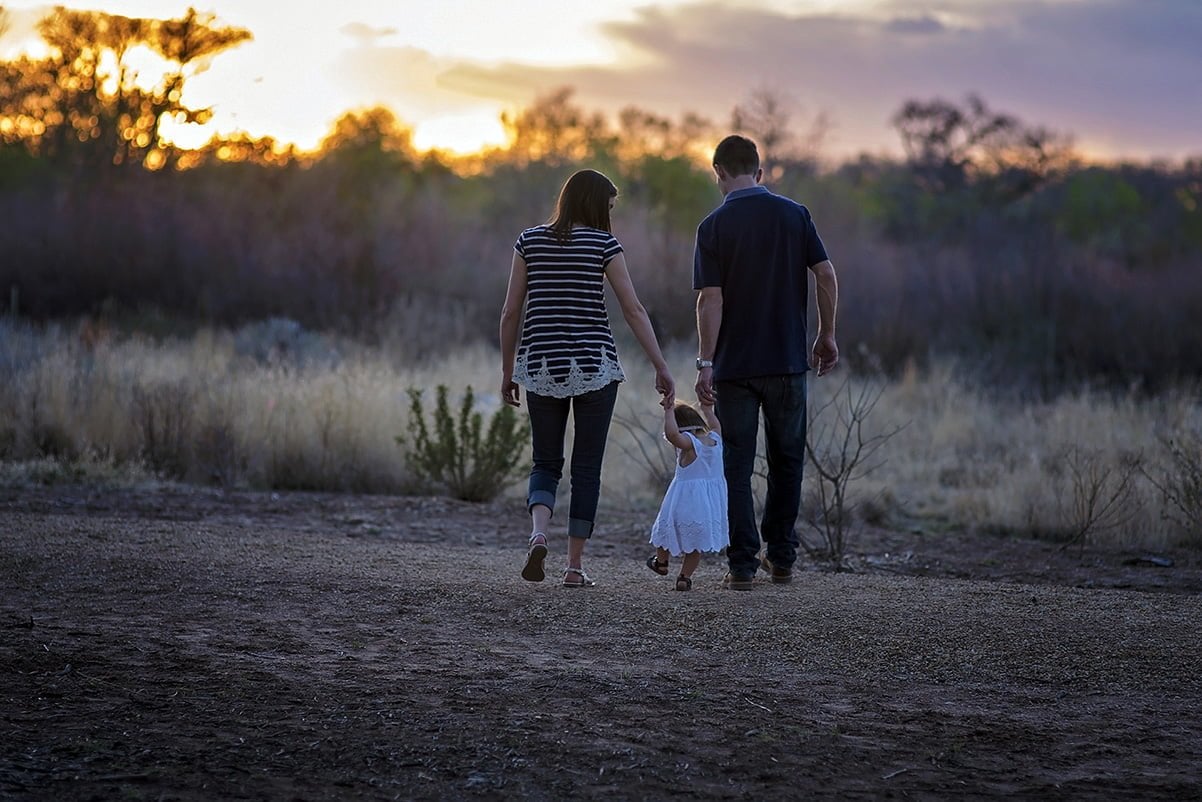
pixel 946 145
pixel 644 133
pixel 767 116
pixel 87 104
pixel 554 131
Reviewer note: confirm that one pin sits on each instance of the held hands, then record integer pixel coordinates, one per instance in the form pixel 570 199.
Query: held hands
pixel 705 387
pixel 826 354
pixel 665 386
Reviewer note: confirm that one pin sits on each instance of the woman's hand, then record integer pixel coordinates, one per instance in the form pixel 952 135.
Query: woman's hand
pixel 510 392
pixel 665 385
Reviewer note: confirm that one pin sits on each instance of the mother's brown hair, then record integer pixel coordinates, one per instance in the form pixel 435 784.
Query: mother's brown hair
pixel 584 200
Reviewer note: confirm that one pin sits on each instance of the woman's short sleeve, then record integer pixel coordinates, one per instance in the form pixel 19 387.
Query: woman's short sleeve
pixel 520 245
pixel 612 249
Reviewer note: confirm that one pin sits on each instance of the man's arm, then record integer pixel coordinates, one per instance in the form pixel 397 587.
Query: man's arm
pixel 709 321
pixel 826 291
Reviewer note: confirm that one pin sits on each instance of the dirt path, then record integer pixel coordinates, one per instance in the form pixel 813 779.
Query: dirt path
pixel 192 645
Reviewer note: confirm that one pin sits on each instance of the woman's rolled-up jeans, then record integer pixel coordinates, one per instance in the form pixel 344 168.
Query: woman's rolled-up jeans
pixel 591 413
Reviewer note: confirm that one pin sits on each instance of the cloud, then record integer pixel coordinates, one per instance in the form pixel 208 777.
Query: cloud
pixel 925 24
pixel 366 34
pixel 408 79
pixel 1121 74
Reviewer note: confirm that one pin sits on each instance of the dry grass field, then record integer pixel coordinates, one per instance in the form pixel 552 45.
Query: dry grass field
pixel 273 407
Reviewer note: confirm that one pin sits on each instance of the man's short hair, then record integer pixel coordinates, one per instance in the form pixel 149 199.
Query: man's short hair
pixel 737 155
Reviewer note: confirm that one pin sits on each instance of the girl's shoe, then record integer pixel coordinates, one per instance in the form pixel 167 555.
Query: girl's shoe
pixel 533 571
pixel 655 565
pixel 684 582
pixel 576 578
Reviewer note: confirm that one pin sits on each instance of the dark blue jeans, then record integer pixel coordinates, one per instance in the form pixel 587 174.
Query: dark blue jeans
pixel 782 399
pixel 591 413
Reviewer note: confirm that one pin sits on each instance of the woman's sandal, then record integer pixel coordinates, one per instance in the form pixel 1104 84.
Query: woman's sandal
pixel 585 580
pixel 684 582
pixel 533 571
pixel 655 565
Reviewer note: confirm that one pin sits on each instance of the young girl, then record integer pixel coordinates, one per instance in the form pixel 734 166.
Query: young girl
pixel 692 518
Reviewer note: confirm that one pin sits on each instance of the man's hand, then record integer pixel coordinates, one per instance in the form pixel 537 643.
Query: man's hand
pixel 826 354
pixel 705 386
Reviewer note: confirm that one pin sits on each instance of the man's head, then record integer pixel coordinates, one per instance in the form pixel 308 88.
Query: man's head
pixel 736 160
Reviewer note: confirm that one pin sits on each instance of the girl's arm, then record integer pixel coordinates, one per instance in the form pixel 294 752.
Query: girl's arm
pixel 672 433
pixel 640 324
pixel 511 315
pixel 711 420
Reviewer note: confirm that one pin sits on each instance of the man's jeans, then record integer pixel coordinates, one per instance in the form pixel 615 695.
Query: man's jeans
pixel 783 402
pixel 591 413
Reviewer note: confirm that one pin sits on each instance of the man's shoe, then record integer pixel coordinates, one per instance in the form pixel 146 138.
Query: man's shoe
pixel 780 576
pixel 738 581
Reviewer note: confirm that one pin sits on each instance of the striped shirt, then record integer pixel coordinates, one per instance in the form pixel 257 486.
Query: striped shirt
pixel 567 347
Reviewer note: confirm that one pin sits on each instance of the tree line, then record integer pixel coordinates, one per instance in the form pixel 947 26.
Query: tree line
pixel 990 240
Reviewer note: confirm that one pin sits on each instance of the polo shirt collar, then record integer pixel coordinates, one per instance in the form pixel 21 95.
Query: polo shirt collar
pixel 758 189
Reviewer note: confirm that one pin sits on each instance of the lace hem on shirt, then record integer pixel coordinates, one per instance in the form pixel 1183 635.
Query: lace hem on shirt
pixel 577 382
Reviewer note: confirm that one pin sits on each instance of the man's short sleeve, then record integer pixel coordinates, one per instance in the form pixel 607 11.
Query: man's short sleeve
pixel 815 250
pixel 612 249
pixel 707 272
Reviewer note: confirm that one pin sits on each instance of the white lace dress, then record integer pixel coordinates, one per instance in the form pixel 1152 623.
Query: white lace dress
pixel 693 515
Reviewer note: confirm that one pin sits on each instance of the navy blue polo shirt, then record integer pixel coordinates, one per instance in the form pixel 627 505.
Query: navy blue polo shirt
pixel 758 247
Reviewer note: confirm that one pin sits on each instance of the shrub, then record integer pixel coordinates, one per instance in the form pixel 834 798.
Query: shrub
pixel 165 413
pixel 472 466
pixel 1102 494
pixel 1181 483
pixel 841 452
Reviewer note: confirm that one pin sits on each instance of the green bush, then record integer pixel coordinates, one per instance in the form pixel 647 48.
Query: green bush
pixel 455 454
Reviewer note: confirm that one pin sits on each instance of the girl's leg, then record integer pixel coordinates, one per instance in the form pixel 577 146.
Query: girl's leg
pixel 662 556
pixel 689 564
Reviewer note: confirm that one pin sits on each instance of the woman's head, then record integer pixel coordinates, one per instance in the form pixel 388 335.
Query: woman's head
pixel 687 417
pixel 585 200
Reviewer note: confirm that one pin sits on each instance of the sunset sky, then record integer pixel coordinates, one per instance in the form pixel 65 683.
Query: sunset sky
pixel 1124 77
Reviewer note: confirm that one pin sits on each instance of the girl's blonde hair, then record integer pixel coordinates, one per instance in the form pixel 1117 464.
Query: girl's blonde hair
pixel 687 417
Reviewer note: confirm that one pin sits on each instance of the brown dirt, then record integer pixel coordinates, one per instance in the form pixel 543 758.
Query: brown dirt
pixel 178 643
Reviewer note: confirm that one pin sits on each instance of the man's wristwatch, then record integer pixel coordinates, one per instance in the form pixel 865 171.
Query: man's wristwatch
pixel 704 363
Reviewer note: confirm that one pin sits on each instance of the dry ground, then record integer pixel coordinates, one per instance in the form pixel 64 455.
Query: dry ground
pixel 191 644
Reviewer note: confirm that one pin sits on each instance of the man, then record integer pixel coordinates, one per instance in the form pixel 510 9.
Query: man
pixel 749 266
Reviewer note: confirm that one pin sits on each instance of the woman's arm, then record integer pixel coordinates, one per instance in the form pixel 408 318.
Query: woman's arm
pixel 511 316
pixel 640 324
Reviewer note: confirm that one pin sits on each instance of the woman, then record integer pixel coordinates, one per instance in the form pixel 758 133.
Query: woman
pixel 566 357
